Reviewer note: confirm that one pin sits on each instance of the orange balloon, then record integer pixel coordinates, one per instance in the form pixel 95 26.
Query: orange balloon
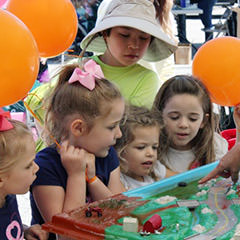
pixel 217 65
pixel 19 59
pixel 53 23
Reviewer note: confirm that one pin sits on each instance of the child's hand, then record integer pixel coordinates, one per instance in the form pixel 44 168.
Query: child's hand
pixel 91 171
pixel 236 116
pixel 35 232
pixel 73 158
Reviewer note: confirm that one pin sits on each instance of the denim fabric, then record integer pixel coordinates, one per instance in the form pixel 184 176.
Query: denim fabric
pixel 206 16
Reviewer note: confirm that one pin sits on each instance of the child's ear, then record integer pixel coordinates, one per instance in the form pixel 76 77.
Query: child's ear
pixel 204 121
pixel 1 182
pixel 78 127
pixel 3 179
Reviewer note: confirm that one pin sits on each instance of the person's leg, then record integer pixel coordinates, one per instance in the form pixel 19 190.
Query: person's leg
pixel 206 16
pixel 232 24
pixel 181 28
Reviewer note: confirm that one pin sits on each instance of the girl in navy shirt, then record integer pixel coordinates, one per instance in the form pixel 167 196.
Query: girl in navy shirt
pixel 82 125
pixel 17 172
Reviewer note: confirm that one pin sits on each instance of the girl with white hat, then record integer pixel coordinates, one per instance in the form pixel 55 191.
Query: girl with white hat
pixel 164 68
pixel 126 32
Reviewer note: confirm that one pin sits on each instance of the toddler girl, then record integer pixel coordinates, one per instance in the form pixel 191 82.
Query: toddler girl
pixel 17 172
pixel 83 123
pixel 188 139
pixel 138 147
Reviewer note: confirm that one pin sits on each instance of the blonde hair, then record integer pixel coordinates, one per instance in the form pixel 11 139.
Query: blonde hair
pixel 12 144
pixel 135 117
pixel 74 99
pixel 202 144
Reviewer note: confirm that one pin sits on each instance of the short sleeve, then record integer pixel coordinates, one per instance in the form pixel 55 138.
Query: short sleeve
pixel 114 159
pixel 124 181
pixel 159 170
pixel 51 171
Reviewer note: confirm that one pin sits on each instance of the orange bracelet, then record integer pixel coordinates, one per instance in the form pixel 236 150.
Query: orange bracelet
pixel 93 179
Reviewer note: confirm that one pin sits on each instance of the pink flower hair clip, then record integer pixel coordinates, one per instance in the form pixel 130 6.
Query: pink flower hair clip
pixel 87 76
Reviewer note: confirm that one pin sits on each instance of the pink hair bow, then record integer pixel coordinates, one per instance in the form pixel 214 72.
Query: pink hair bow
pixel 87 77
pixel 4 123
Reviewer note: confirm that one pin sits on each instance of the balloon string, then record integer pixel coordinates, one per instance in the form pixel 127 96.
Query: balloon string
pixel 72 55
pixel 34 94
pixel 37 118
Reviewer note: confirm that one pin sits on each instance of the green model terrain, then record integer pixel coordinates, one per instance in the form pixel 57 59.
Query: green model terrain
pixel 178 222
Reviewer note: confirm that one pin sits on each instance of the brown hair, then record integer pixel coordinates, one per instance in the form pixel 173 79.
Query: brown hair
pixel 12 144
pixel 202 144
pixel 135 117
pixel 72 99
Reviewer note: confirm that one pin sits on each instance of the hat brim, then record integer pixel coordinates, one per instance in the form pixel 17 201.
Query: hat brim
pixel 160 48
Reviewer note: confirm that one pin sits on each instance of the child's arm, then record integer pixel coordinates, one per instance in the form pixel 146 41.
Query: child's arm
pixel 53 199
pixel 49 200
pixel 35 232
pixel 161 171
pixel 99 191
pixel 115 185
pixel 236 117
pixel 74 161
pixel 170 173
pixel 96 187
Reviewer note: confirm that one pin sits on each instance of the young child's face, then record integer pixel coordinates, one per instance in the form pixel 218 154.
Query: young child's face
pixel 23 173
pixel 141 153
pixel 105 131
pixel 126 46
pixel 183 116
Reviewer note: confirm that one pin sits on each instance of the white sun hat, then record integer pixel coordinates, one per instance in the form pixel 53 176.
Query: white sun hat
pixel 138 14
